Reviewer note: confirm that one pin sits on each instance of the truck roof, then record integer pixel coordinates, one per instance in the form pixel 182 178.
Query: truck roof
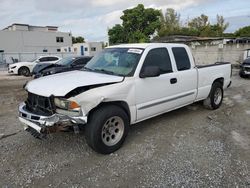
pixel 146 45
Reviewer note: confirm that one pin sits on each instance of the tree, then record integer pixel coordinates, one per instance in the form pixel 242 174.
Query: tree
pixel 221 25
pixel 138 24
pixel 243 32
pixel 78 39
pixel 117 35
pixel 200 24
pixel 203 28
pixel 170 23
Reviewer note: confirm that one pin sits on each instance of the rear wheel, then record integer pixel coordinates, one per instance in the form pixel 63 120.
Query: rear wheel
pixel 215 98
pixel 24 71
pixel 107 129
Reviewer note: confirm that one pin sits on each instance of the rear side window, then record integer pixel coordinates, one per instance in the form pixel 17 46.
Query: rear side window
pixel 159 57
pixel 52 58
pixel 43 59
pixel 181 58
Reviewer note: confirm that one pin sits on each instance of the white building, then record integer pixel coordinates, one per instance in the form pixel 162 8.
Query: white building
pixel 85 49
pixel 35 39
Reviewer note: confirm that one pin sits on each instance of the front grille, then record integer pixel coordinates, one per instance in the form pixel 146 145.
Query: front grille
pixel 40 105
pixel 247 69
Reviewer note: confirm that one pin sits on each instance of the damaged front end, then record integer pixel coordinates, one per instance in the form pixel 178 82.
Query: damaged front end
pixel 41 116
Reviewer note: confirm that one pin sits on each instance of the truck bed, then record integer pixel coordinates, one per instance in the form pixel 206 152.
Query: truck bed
pixel 207 74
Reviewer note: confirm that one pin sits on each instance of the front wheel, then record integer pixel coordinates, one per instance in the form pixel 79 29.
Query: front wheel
pixel 215 98
pixel 24 71
pixel 107 129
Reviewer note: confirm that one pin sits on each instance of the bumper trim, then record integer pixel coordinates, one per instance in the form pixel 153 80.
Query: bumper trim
pixel 43 123
pixel 27 123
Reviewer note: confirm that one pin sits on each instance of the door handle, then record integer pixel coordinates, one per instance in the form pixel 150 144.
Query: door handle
pixel 173 80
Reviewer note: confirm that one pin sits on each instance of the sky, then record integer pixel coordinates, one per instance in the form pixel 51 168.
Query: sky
pixel 92 18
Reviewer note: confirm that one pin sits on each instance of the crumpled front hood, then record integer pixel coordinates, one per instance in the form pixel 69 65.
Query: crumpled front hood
pixel 62 83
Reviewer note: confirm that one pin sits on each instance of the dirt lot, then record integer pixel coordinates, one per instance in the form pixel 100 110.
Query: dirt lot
pixel 189 147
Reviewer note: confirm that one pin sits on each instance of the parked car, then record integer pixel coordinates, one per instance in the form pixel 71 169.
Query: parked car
pixel 122 85
pixel 64 65
pixel 25 68
pixel 245 68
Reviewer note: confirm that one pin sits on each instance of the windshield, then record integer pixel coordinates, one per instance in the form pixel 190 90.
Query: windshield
pixel 116 61
pixel 65 61
pixel 246 61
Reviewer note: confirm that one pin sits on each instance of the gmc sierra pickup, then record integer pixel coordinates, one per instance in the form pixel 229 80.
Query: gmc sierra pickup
pixel 122 85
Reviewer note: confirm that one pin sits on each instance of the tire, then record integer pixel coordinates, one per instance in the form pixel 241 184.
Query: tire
pixel 215 98
pixel 25 71
pixel 107 129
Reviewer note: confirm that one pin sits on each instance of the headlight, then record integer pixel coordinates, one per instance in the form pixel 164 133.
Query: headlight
pixel 48 72
pixel 13 67
pixel 66 104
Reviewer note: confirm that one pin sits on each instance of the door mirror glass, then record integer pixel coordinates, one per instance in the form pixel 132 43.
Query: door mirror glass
pixel 150 71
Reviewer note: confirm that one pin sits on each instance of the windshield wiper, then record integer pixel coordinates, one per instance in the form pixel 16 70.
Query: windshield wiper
pixel 104 71
pixel 87 69
pixel 107 72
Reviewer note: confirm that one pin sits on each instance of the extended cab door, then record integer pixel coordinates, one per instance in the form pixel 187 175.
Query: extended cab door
pixel 170 90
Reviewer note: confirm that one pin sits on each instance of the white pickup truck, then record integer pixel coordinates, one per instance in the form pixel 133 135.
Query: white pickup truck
pixel 122 85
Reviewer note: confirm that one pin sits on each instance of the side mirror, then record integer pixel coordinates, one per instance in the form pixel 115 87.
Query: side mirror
pixel 150 71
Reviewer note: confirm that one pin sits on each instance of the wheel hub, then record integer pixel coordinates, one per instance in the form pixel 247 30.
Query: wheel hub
pixel 112 131
pixel 217 96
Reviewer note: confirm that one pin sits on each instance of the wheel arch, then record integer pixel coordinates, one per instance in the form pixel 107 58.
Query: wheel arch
pixel 122 104
pixel 219 80
pixel 23 66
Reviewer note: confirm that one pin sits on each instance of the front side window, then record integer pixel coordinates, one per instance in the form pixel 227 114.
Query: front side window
pixel 159 57
pixel 181 58
pixel 52 58
pixel 116 61
pixel 83 61
pixel 65 61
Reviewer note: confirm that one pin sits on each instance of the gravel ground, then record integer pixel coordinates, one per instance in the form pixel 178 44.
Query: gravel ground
pixel 189 147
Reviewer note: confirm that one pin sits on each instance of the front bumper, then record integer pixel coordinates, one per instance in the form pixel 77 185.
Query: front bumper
pixel 10 71
pixel 245 70
pixel 47 124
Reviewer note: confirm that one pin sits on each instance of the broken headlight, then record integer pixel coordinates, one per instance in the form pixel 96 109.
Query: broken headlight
pixel 66 104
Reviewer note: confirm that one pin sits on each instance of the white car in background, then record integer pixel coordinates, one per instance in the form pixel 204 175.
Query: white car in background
pixel 25 68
